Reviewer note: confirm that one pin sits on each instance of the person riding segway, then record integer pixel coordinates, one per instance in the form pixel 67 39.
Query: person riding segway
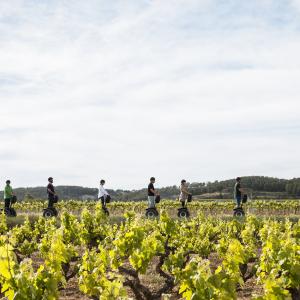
pixel 104 196
pixel 51 211
pixel 9 199
pixel 153 198
pixel 184 197
pixel 238 211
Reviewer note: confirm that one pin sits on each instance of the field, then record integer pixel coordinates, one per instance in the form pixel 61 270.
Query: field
pixel 83 254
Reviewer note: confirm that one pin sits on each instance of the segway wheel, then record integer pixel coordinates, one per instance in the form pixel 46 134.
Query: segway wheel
pixel 151 213
pixel 48 213
pixel 239 213
pixel 183 213
pixel 55 212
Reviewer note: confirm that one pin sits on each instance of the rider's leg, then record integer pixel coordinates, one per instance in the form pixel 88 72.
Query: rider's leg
pixel 103 202
pixel 151 201
pixel 238 201
pixel 50 202
pixel 7 203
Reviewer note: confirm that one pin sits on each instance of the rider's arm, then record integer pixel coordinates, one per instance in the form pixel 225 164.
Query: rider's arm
pixel 155 192
pixel 185 191
pixel 6 191
pixel 242 190
pixel 103 191
pixel 50 192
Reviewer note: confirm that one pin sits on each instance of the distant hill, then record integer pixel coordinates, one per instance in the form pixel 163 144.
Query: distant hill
pixel 65 192
pixel 260 186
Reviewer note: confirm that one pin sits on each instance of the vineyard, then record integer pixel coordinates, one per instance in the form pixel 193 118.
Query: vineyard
pixel 261 207
pixel 84 254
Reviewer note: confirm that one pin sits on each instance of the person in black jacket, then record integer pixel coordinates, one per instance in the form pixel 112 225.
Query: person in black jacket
pixel 52 197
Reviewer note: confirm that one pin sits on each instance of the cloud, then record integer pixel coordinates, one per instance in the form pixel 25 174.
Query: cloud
pixel 295 4
pixel 197 89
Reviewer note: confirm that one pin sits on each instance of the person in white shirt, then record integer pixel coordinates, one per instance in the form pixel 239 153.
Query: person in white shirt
pixel 102 193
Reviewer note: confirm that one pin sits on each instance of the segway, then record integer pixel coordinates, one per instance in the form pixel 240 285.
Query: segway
pixel 239 211
pixel 51 211
pixel 183 212
pixel 10 211
pixel 151 212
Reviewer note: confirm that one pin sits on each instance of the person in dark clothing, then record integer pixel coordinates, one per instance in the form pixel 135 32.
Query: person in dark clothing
pixel 151 193
pixel 238 192
pixel 52 197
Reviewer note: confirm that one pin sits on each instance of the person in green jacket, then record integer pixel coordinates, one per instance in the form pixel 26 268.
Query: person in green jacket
pixel 8 194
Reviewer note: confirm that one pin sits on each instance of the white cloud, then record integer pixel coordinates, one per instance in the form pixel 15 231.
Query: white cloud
pixel 173 89
pixel 295 4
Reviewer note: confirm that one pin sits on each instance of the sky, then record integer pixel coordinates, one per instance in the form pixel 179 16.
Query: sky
pixel 123 90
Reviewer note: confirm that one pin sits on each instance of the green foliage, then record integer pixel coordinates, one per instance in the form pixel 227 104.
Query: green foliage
pixel 205 256
pixel 96 280
pixel 3 224
pixel 279 267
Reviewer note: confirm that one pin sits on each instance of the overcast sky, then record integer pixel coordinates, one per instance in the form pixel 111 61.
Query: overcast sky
pixel 124 90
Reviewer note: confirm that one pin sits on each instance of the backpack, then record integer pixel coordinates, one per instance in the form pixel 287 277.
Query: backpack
pixel 157 199
pixel 14 199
